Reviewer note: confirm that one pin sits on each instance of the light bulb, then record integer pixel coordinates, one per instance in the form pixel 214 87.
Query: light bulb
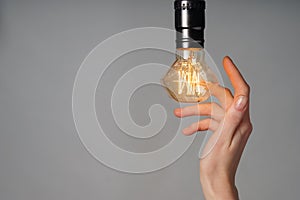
pixel 187 79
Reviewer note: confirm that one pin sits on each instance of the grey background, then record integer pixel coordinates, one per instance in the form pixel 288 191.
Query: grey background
pixel 42 46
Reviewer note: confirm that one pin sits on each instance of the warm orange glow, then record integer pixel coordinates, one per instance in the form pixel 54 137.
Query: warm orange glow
pixel 187 79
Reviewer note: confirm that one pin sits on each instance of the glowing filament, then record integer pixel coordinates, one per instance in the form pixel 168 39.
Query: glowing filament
pixel 191 81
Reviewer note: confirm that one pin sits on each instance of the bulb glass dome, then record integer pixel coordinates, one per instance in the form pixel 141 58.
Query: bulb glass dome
pixel 187 79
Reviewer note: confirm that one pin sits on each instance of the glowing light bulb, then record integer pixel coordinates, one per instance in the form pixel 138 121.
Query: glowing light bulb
pixel 187 79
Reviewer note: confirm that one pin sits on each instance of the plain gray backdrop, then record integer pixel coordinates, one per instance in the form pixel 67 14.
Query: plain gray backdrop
pixel 42 44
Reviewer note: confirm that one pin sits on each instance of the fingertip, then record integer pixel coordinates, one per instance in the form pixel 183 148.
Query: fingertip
pixel 227 62
pixel 177 112
pixel 183 131
pixel 186 131
pixel 238 82
pixel 226 58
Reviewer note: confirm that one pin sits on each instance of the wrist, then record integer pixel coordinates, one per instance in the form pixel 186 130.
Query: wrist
pixel 219 189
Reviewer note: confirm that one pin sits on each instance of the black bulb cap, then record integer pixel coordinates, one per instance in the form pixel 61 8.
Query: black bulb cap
pixel 189 23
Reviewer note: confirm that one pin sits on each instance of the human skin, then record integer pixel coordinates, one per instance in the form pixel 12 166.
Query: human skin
pixel 231 125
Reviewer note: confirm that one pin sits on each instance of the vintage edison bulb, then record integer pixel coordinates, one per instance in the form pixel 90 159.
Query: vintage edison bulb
pixel 187 79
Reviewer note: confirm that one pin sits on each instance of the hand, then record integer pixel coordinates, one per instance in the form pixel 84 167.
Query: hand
pixel 231 126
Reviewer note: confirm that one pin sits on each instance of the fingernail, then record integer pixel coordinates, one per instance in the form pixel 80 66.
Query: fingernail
pixel 241 103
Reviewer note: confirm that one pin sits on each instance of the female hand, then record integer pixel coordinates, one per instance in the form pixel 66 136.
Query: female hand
pixel 231 126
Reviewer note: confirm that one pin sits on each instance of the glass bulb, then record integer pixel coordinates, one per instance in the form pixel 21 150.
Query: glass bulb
pixel 187 79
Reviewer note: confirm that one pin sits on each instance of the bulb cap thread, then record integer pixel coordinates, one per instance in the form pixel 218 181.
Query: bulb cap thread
pixel 189 23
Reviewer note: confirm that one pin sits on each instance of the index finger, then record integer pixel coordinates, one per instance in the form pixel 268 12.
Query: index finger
pixel 238 82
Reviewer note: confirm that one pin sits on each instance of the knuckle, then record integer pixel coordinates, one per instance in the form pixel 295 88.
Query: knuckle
pixel 213 107
pixel 198 109
pixel 207 108
pixel 246 89
pixel 199 126
pixel 234 117
pixel 249 128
